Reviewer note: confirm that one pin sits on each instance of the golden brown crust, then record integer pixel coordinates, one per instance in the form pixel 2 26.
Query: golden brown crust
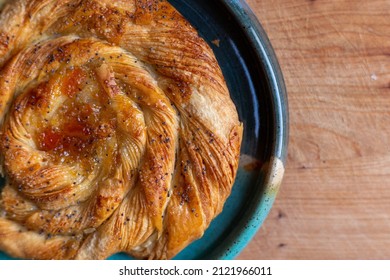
pixel 118 131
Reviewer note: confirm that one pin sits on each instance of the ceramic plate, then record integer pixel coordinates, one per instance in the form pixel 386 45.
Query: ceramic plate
pixel 257 88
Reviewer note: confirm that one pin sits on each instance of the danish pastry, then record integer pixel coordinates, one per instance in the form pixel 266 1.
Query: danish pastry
pixel 118 133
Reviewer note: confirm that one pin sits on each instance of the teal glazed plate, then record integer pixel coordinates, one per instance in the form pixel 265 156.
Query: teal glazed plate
pixel 256 86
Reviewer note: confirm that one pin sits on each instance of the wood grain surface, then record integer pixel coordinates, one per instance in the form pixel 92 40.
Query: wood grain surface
pixel 334 202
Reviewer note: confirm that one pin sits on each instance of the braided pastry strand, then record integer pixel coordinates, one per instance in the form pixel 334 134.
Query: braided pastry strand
pixel 118 133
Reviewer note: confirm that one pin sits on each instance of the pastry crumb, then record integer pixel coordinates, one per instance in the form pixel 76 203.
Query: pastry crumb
pixel 216 42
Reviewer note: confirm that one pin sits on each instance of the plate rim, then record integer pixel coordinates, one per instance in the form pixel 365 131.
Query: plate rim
pixel 264 51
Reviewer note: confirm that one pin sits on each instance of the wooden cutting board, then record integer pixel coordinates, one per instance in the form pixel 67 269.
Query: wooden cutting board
pixel 334 202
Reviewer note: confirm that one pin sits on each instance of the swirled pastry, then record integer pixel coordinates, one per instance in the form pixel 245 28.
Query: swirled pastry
pixel 118 131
